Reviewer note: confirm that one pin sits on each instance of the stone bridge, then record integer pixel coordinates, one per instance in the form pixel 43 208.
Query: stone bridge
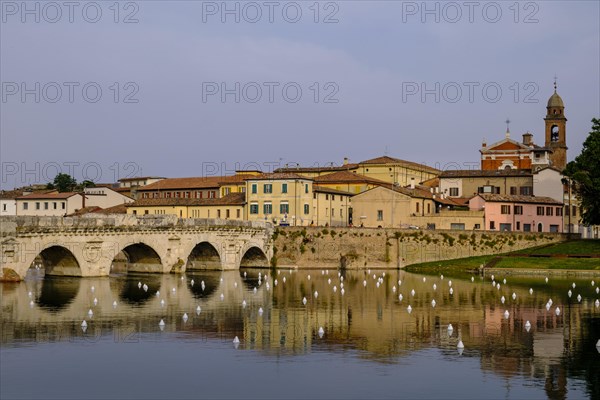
pixel 90 246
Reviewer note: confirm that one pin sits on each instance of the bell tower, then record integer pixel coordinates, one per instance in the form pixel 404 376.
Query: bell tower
pixel 556 135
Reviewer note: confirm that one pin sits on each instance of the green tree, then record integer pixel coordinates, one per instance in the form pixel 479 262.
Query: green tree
pixel 86 184
pixel 64 182
pixel 584 171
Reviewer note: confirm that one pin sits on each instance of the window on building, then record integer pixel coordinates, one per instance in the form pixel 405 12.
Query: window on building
pixel 45 205
pixel 554 228
pixel 526 227
pixel 212 194
pixel 254 188
pixel 25 206
pixel 333 197
pixel 428 208
pixel 177 195
pixel 540 211
pixel 518 210
pixel 306 188
pixel 549 211
pixel 134 212
pixel 559 211
pixel 37 205
pixel 477 226
pixel 513 190
pixel 326 196
pixel 315 195
pixel 284 188
pixel 254 208
pixel 417 207
pixel 306 209
pixel 267 188
pixel 168 195
pixel 574 211
pixel 146 212
pixel 457 226
pixel 227 213
pixel 219 213
pixel 64 205
pixel 3 207
pixel 505 228
pixel 525 190
pixel 145 196
pixel 454 192
pixel 284 208
pixel 237 213
pixel 267 208
pixel 504 209
pixel 327 211
pixel 518 227
pixel 492 225
pixel 379 215
pixel 55 205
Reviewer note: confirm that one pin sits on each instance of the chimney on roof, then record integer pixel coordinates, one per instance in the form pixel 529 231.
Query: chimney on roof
pixel 345 160
pixel 484 143
pixel 527 139
pixel 412 183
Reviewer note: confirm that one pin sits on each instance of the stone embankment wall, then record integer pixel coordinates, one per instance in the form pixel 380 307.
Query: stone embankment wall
pixel 392 248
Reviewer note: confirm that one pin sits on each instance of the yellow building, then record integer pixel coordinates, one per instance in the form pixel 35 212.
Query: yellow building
pixel 281 198
pixel 391 208
pixel 230 207
pixel 331 207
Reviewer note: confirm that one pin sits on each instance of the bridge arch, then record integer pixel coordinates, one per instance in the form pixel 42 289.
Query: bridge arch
pixel 204 256
pixel 59 261
pixel 141 258
pixel 255 257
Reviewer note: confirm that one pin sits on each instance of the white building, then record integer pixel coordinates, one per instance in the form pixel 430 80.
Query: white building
pixel 8 202
pixel 104 197
pixel 138 181
pixel 50 204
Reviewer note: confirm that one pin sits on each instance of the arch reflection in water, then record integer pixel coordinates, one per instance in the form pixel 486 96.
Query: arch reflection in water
pixel 211 283
pixel 58 292
pixel 250 277
pixel 132 293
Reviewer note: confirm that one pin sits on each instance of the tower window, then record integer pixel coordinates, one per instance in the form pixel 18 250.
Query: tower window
pixel 554 133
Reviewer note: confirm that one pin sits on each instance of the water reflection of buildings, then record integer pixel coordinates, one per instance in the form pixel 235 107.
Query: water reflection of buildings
pixel 368 319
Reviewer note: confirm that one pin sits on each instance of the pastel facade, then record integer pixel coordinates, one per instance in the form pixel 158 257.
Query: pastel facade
pixel 104 197
pixel 50 204
pixel 330 207
pixel 391 208
pixel 281 198
pixel 8 202
pixel 350 182
pixel 230 207
pixel 519 213
pixel 468 183
pixel 138 181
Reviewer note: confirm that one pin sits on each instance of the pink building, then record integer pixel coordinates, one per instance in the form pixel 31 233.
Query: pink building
pixel 519 213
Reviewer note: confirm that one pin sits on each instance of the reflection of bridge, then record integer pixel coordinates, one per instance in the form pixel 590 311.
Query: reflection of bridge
pixel 88 246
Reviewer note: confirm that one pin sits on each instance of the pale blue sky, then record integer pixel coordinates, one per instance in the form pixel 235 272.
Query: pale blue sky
pixel 376 49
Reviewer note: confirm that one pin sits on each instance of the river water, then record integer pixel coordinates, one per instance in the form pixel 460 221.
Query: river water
pixel 359 342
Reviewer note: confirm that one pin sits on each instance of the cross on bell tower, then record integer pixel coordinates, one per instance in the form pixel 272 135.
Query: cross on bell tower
pixel 507 134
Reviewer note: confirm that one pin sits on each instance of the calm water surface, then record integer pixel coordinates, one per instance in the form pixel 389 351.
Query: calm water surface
pixel 370 346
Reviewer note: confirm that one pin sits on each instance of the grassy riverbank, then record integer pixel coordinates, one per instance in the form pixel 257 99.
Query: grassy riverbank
pixel 550 257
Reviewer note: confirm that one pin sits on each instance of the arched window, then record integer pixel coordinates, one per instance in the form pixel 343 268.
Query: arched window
pixel 554 133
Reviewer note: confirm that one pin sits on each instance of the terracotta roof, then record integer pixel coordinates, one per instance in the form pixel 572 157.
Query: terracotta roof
pixel 416 192
pixel 518 199
pixel 470 173
pixel 453 201
pixel 275 176
pixel 392 160
pixel 323 189
pixel 85 210
pixel 51 195
pixel 118 209
pixel 347 177
pixel 10 194
pixel 183 184
pixel 231 199
pixel 433 182
pixel 139 178
pixel 332 168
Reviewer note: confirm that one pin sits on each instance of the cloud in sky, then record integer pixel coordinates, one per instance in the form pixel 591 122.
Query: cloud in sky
pixel 366 61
